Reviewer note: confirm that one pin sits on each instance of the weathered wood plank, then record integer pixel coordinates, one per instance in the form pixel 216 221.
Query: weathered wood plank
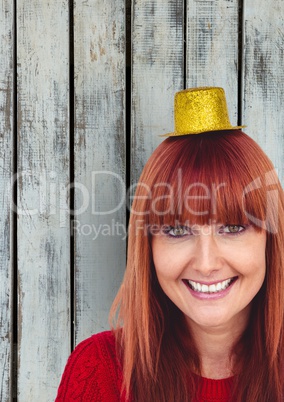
pixel 99 33
pixel 263 76
pixel 157 73
pixel 212 47
pixel 6 173
pixel 43 226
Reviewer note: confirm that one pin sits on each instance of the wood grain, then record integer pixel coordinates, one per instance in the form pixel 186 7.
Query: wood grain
pixel 263 77
pixel 100 159
pixel 6 176
pixel 157 73
pixel 212 48
pixel 43 223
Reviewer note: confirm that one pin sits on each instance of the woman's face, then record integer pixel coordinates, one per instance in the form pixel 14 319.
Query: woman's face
pixel 211 273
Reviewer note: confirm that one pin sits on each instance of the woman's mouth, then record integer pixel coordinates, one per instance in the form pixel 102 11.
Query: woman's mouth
pixel 212 288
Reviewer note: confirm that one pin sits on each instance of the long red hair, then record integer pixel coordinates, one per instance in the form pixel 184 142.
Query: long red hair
pixel 218 176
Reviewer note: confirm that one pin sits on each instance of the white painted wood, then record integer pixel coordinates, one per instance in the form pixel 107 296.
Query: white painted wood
pixel 157 73
pixel 263 77
pixel 6 173
pixel 99 40
pixel 212 47
pixel 43 226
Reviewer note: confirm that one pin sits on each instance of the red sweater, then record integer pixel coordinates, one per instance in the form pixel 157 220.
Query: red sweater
pixel 93 374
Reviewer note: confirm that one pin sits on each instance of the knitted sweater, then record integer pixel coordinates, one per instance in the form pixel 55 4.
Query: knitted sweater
pixel 93 374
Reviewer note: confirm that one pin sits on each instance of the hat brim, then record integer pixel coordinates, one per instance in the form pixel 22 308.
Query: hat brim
pixel 175 134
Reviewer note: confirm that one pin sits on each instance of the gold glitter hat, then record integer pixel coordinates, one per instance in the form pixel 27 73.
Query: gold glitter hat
pixel 198 110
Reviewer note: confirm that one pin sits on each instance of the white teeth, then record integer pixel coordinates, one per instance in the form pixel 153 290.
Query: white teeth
pixel 204 289
pixel 212 288
pixel 217 287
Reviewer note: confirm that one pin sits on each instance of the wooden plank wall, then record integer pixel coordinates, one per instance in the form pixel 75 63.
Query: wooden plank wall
pixel 69 114
pixel 263 77
pixel 7 113
pixel 43 235
pixel 157 73
pixel 100 160
pixel 212 47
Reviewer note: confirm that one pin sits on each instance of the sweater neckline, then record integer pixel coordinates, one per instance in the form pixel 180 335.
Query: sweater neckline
pixel 214 379
pixel 211 389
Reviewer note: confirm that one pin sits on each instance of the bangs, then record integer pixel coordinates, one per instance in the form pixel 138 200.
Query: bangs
pixel 204 199
pixel 206 179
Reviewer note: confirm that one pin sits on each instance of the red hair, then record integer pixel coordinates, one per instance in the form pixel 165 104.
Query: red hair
pixel 212 177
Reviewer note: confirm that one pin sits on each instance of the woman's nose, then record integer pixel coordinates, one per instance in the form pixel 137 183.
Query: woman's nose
pixel 207 257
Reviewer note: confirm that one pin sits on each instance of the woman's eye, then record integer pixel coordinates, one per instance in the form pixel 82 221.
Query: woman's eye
pixel 233 229
pixel 178 231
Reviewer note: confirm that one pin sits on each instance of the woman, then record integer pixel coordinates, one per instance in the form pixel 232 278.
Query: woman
pixel 199 315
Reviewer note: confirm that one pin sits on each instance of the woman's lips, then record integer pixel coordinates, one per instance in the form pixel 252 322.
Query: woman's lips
pixel 212 290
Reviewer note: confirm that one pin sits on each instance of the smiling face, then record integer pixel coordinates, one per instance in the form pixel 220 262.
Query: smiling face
pixel 210 272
